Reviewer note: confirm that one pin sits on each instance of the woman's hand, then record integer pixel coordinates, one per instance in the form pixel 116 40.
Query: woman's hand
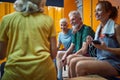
pixel 101 46
pixel 63 60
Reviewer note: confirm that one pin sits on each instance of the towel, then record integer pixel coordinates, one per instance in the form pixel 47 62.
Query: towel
pixel 108 29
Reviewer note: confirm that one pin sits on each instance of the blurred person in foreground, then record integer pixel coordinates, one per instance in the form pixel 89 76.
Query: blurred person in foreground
pixel 28 40
pixel 107 61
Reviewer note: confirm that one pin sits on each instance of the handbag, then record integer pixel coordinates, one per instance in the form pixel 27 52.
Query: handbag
pixel 92 50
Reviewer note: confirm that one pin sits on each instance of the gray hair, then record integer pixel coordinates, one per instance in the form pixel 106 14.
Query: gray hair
pixel 29 6
pixel 74 13
pixel 63 20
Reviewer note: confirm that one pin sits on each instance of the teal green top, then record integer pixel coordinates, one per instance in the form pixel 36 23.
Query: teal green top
pixel 80 36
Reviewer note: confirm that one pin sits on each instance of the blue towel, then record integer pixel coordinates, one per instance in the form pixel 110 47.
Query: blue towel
pixel 108 28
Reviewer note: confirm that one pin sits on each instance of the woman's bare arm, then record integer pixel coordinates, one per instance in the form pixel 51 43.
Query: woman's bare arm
pixel 53 47
pixel 3 48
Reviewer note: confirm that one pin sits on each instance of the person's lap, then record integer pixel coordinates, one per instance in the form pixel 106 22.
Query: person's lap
pixel 73 59
pixel 76 58
pixel 90 65
pixel 102 68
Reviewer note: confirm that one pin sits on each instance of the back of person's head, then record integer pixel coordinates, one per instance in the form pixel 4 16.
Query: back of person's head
pixel 74 13
pixel 29 6
pixel 63 20
pixel 107 6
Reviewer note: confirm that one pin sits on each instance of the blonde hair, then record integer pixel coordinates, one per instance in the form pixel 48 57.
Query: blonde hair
pixel 29 6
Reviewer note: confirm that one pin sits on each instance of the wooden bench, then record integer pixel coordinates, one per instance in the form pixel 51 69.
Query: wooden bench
pixel 90 77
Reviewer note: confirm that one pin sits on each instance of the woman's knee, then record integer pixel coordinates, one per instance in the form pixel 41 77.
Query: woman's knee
pixel 81 65
pixel 73 62
pixel 69 58
pixel 59 55
pixel 81 68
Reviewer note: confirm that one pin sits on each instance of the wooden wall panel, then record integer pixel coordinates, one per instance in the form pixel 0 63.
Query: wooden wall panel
pixel 87 12
pixel 5 8
pixel 2 10
pixel 69 5
pixel 94 22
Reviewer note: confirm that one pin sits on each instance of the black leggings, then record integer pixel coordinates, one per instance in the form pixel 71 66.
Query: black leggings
pixel 2 68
